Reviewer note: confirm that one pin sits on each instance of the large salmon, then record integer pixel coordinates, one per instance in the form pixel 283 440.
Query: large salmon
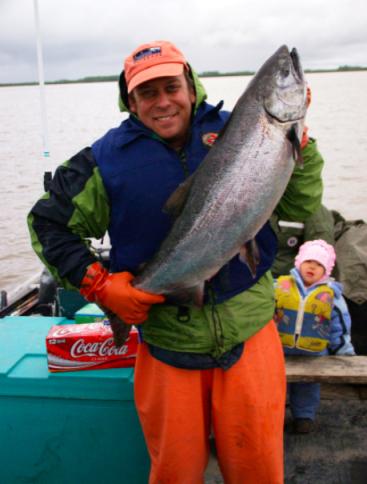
pixel 237 186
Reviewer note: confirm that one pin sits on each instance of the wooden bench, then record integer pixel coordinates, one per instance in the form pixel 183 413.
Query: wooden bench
pixel 340 376
pixel 328 369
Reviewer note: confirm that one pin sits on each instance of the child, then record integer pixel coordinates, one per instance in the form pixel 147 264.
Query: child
pixel 313 319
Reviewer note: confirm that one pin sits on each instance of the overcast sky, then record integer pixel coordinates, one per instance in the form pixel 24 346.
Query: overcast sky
pixel 92 37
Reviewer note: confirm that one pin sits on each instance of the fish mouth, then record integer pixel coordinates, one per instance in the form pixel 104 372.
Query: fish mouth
pixel 296 63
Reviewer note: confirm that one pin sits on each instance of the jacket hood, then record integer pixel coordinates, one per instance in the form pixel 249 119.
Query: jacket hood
pixel 335 286
pixel 198 86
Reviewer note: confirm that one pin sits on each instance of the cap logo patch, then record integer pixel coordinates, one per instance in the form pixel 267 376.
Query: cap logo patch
pixel 148 52
pixel 209 139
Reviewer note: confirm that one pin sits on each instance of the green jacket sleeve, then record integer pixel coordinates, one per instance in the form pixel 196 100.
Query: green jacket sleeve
pixel 303 194
pixel 75 209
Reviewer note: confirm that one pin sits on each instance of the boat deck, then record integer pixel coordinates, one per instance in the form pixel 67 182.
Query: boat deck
pixel 336 452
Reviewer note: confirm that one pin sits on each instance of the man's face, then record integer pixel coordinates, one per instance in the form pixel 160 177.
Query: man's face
pixel 164 105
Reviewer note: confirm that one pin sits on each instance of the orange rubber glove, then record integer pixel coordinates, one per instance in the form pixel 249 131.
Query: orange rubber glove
pixel 305 137
pixel 114 292
pixel 308 96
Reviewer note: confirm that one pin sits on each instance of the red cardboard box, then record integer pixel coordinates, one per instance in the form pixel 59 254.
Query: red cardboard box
pixel 74 347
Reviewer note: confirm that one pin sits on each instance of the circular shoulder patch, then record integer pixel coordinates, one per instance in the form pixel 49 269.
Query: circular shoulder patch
pixel 292 241
pixel 209 139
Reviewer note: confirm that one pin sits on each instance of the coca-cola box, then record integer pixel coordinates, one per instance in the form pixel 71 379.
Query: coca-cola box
pixel 74 347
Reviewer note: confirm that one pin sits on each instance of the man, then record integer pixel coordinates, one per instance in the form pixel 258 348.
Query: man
pixel 220 367
pixel 292 234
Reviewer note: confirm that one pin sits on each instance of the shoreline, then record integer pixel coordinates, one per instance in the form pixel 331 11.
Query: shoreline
pixel 206 74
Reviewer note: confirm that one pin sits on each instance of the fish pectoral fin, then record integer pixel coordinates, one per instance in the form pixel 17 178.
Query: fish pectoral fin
pixel 177 199
pixel 250 255
pixel 141 267
pixel 296 145
pixel 188 295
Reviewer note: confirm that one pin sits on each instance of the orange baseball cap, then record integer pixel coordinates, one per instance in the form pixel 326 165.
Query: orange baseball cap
pixel 149 61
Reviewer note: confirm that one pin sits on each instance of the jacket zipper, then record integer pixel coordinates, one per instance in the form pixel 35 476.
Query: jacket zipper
pixel 183 162
pixel 299 319
pixel 217 324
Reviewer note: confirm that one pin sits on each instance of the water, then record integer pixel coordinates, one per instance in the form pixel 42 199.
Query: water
pixel 80 113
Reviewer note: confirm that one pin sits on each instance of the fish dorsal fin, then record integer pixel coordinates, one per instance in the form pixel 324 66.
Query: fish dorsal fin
pixel 177 199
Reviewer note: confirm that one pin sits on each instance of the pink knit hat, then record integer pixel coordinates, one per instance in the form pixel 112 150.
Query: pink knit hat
pixel 317 250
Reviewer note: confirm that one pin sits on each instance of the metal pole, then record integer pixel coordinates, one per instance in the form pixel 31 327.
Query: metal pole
pixel 41 80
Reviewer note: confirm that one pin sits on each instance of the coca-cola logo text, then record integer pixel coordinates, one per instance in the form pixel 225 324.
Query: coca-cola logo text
pixel 105 348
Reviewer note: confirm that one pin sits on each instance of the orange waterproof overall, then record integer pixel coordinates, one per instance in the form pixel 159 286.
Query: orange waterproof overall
pixel 243 405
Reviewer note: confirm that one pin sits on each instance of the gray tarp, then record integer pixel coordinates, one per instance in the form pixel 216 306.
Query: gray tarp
pixel 351 252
